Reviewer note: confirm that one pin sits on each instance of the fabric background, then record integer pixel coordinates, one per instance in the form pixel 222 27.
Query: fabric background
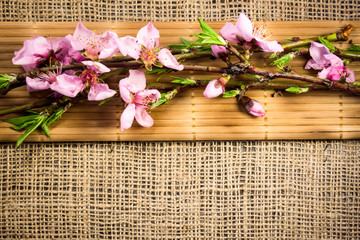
pixel 180 190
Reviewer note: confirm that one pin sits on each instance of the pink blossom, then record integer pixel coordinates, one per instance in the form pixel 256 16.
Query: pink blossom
pixel 138 100
pixel 39 48
pixel 42 82
pixel 253 107
pixel 95 46
pixel 98 90
pixel 321 57
pixel 70 85
pixel 337 73
pixel 215 87
pixel 244 29
pixel 217 49
pixel 32 51
pixel 331 65
pixel 146 47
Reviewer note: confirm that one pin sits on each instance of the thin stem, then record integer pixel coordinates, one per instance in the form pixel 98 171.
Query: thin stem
pixel 24 107
pixel 339 36
pixel 236 53
pixel 204 69
pixel 329 84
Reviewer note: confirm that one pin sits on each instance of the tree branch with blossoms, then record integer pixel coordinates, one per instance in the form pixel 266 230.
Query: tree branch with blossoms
pixel 76 68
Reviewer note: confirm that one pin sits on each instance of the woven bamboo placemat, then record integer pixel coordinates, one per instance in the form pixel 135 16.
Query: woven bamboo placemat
pixel 317 115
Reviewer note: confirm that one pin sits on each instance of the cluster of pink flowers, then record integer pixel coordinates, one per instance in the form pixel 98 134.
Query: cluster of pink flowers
pixel 331 66
pixel 89 48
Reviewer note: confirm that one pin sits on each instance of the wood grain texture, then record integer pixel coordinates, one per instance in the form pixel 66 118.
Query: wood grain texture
pixel 316 115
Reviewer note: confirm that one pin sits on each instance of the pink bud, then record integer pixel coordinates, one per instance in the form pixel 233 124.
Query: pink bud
pixel 253 107
pixel 218 50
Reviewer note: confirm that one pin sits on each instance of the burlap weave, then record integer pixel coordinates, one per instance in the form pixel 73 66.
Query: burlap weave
pixel 177 10
pixel 180 190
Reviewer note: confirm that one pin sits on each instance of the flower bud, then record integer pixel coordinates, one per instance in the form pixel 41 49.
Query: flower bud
pixel 216 87
pixel 219 51
pixel 253 107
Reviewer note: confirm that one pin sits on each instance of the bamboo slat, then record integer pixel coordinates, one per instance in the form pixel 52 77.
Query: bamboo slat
pixel 316 115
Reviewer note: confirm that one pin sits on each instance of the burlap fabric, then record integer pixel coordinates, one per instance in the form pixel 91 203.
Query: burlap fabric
pixel 180 190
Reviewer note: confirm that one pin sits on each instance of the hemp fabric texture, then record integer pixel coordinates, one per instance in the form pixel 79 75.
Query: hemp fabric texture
pixel 180 190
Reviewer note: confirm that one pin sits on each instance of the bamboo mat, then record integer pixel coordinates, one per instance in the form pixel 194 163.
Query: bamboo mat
pixel 316 115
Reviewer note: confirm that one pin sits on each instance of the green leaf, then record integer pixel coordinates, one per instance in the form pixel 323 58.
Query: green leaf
pixel 283 60
pixel 297 90
pixel 273 55
pixel 206 28
pixel 102 102
pixel 45 128
pixel 21 120
pixel 208 36
pixel 22 126
pixel 357 83
pixel 186 42
pixel 30 129
pixel 231 93
pixel 57 114
pixel 183 81
pixel 327 44
pixel 5 80
pixel 159 71
pixel 177 46
pixel 160 101
pixel 354 47
pixel 165 97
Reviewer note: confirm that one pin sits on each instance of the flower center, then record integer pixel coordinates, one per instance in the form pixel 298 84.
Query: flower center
pixel 149 56
pixel 89 77
pixel 259 32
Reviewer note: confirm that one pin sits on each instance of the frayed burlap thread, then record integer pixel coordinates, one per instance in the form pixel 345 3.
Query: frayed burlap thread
pixel 181 190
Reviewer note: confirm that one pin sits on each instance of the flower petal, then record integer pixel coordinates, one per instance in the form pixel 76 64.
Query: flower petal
pixel 67 85
pixel 31 52
pixel 129 46
pixel 351 76
pixel 72 52
pixel 168 60
pixel 124 90
pixel 137 81
pixel 229 32
pixel 81 37
pixel 36 84
pixel 333 60
pixel 96 66
pixel 127 117
pixel 335 73
pixel 148 36
pixel 213 89
pixel 317 52
pixel 100 92
pixel 108 44
pixel 245 27
pixel 312 64
pixel 143 117
pixel 216 49
pixel 269 46
pixel 324 73
pixel 149 95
